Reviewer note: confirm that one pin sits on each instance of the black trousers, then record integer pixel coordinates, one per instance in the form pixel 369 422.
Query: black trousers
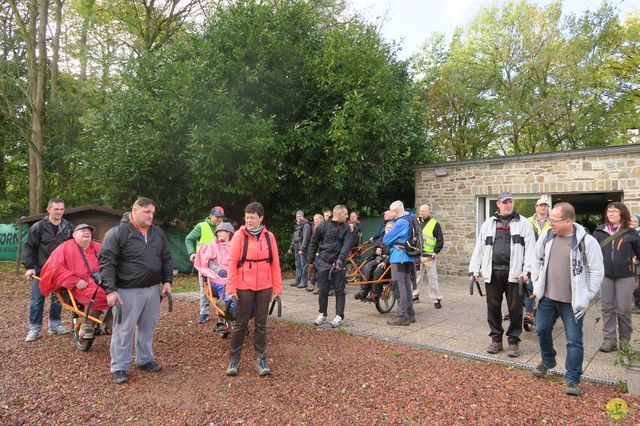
pixel 247 299
pixel 338 278
pixel 495 290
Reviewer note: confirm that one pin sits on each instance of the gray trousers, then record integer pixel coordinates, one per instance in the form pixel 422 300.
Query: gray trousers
pixel 204 302
pixel 616 297
pixel 428 272
pixel 140 314
pixel 402 273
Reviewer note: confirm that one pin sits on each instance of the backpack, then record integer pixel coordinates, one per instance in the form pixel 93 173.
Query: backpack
pixel 413 245
pixel 245 249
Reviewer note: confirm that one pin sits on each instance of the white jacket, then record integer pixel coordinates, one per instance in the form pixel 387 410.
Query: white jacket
pixel 585 279
pixel 521 251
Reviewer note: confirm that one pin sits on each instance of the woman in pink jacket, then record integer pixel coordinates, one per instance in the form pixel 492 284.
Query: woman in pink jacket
pixel 254 276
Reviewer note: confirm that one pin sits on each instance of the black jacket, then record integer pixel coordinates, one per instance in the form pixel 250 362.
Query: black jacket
pixel 301 237
pixel 618 254
pixel 127 261
pixel 332 241
pixel 41 241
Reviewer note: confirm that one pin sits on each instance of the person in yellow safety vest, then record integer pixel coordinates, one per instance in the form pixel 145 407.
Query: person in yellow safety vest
pixel 540 220
pixel 203 233
pixel 432 244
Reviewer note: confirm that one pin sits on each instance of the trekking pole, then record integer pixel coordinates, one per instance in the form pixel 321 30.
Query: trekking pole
pixel 475 280
pixel 276 300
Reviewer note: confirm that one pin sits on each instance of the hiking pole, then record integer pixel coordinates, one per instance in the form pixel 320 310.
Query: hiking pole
pixel 276 300
pixel 473 280
pixel 169 300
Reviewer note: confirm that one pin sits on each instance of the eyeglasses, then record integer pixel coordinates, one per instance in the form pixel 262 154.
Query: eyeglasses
pixel 558 220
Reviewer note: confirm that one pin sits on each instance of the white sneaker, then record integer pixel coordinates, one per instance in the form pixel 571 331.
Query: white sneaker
pixel 58 329
pixel 320 320
pixel 337 321
pixel 32 336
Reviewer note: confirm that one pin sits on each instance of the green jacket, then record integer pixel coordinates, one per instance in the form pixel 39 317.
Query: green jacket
pixel 192 239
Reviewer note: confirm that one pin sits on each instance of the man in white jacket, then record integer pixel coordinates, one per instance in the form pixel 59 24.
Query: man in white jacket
pixel 567 273
pixel 503 254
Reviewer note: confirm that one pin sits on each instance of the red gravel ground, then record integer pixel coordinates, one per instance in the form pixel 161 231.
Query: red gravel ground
pixel 319 377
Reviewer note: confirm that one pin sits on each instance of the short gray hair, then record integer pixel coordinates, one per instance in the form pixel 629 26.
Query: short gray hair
pixel 397 205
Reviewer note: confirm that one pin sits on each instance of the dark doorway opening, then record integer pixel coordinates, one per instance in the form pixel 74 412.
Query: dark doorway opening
pixel 590 206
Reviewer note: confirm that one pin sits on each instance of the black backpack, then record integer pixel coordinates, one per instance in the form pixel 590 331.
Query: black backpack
pixel 413 245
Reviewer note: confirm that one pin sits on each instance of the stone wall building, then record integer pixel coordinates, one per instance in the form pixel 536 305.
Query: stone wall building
pixel 462 194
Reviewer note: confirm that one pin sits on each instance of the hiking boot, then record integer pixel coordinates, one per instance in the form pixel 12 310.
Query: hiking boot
pixel 32 336
pixel 399 321
pixel 437 304
pixel 301 285
pixel 119 377
pixel 573 389
pixel 261 365
pixel 232 368
pixel 541 370
pixel 607 346
pixel 320 320
pixel 203 318
pixel 337 322
pixel 412 319
pixel 294 284
pixel 151 366
pixel 416 299
pixel 494 347
pixel 58 329
pixel 529 319
pixel 86 329
pixel 310 287
pixel 316 291
pixel 514 351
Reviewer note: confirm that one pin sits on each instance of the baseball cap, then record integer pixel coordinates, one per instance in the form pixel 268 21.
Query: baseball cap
pixel 217 211
pixel 84 226
pixel 505 196
pixel 542 201
pixel 299 213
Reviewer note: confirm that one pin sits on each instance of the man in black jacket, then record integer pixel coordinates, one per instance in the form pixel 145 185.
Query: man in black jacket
pixel 332 241
pixel 44 236
pixel 299 247
pixel 135 259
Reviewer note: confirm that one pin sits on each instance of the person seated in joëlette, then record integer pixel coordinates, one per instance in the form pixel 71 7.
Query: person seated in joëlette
pixel 212 261
pixel 74 265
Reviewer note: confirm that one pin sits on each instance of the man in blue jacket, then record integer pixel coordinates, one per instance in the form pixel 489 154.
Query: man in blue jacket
pixel 402 265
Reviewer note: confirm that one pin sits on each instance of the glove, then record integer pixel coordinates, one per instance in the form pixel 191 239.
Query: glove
pixel 222 273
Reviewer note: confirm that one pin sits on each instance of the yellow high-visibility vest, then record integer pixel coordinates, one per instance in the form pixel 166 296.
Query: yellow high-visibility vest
pixel 206 234
pixel 428 240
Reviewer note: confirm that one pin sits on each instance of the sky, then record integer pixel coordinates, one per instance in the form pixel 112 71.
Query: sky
pixel 410 22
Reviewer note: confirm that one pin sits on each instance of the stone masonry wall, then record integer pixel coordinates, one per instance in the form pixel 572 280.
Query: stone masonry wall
pixel 453 197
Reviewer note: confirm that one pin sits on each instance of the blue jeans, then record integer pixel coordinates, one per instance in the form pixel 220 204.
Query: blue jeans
pixel 548 312
pixel 37 306
pixel 301 270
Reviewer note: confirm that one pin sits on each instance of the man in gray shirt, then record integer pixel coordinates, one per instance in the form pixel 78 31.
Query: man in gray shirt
pixel 567 272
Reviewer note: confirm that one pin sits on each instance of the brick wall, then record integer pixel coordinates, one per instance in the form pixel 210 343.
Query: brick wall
pixel 453 197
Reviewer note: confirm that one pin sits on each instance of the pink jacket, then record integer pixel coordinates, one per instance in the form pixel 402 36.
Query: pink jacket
pixel 213 250
pixel 254 275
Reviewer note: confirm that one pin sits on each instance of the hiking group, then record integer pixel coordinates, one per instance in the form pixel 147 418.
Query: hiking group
pixel 548 259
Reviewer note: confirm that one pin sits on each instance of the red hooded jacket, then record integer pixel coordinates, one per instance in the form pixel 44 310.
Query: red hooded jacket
pixel 254 275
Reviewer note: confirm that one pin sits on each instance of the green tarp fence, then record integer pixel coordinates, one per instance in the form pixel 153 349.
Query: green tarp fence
pixel 9 237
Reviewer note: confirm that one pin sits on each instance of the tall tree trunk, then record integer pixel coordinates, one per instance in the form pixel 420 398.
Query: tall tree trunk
pixel 55 48
pixel 36 187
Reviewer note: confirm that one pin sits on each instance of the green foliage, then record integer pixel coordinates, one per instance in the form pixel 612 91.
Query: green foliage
pixel 627 354
pixel 522 78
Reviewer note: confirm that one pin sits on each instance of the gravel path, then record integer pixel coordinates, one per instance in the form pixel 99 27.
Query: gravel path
pixel 320 376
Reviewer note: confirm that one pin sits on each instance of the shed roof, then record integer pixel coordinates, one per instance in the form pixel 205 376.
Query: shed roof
pixel 88 207
pixel 587 152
